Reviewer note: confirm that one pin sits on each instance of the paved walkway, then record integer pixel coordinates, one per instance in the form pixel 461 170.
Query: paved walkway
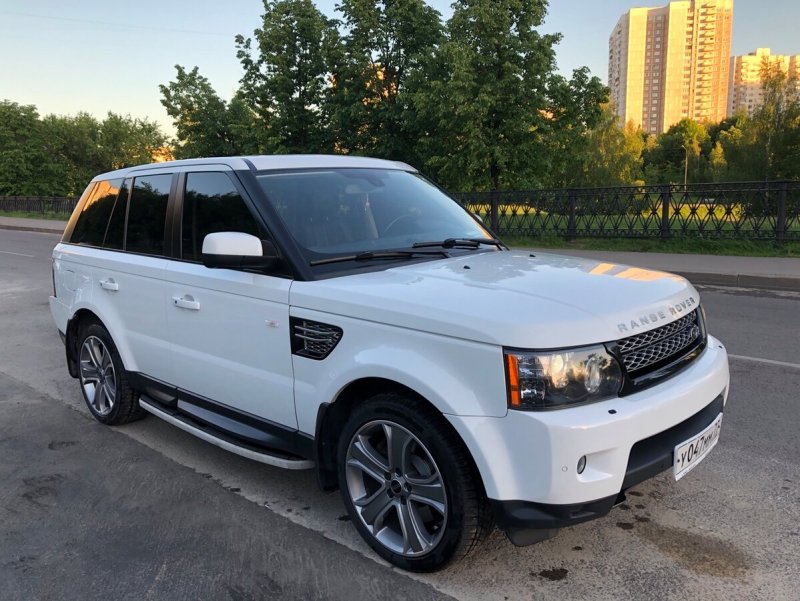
pixel 32 225
pixel 780 273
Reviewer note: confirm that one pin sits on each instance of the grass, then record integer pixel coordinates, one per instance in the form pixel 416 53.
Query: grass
pixel 705 246
pixel 36 215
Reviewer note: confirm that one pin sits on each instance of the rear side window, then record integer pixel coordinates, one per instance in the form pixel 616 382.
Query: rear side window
pixel 211 203
pixel 147 213
pixel 115 232
pixel 90 228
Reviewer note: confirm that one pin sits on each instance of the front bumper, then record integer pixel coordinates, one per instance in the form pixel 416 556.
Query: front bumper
pixel 529 459
pixel 526 522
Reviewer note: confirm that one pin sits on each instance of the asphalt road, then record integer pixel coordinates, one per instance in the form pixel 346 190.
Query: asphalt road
pixel 148 512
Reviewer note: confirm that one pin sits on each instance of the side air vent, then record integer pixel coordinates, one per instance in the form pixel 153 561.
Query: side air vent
pixel 313 339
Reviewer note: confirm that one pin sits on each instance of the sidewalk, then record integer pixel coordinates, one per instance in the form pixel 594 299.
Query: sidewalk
pixel 47 226
pixel 777 273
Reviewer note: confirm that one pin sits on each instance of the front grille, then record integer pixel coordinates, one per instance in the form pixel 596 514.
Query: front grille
pixel 661 345
pixel 626 345
pixel 313 339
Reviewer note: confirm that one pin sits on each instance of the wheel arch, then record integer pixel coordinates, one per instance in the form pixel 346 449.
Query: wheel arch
pixel 331 418
pixel 78 319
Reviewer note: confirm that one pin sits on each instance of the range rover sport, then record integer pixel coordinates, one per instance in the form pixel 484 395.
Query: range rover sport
pixel 345 315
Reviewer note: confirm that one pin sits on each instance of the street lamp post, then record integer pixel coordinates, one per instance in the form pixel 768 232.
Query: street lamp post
pixel 685 166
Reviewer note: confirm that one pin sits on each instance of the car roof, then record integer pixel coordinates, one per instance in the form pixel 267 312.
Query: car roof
pixel 267 163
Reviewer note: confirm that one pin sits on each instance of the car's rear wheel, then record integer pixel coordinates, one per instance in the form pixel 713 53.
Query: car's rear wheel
pixel 409 484
pixel 103 380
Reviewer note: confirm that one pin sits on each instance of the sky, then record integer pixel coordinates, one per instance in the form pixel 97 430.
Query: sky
pixel 111 55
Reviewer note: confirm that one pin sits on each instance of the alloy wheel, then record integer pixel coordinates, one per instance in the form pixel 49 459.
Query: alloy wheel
pixel 98 378
pixel 396 488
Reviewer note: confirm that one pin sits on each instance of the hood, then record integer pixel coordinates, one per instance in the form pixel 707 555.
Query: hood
pixel 513 299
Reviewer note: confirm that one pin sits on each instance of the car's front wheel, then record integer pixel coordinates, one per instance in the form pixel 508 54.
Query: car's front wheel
pixel 409 485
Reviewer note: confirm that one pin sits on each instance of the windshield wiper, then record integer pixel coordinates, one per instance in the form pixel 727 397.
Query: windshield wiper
pixel 461 243
pixel 383 254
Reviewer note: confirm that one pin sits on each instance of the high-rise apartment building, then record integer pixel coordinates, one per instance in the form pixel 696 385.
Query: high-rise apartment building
pixel 744 87
pixel 671 62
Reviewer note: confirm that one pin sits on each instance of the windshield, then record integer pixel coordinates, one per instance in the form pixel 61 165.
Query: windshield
pixel 344 211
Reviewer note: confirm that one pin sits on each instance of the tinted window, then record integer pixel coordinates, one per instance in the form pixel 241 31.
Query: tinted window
pixel 212 204
pixel 339 211
pixel 90 227
pixel 115 232
pixel 146 214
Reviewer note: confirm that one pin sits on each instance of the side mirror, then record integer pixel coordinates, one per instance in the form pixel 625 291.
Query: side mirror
pixel 236 250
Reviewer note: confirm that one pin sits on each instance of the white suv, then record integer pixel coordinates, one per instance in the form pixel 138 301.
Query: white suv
pixel 344 314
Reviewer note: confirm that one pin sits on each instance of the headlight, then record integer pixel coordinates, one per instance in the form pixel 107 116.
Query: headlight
pixel 553 379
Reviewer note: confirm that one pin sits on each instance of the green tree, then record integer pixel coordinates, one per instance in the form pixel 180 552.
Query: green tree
pixel 776 123
pixel 767 145
pixel 484 105
pixel 125 141
pixel 718 166
pixel 575 108
pixel 26 167
pixel 59 154
pixel 286 74
pixel 677 154
pixel 75 150
pixel 386 42
pixel 205 124
pixel 612 155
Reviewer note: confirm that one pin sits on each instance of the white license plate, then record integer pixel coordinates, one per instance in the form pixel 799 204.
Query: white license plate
pixel 688 454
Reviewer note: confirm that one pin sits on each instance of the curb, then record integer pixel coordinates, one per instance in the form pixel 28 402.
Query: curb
pixel 26 228
pixel 740 280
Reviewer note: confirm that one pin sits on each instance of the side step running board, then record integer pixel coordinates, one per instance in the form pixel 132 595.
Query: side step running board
pixel 260 456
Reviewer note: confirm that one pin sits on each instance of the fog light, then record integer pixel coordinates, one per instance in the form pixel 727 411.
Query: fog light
pixel 581 464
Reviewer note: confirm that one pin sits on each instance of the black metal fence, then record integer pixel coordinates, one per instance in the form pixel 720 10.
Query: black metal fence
pixel 751 211
pixel 747 211
pixel 38 204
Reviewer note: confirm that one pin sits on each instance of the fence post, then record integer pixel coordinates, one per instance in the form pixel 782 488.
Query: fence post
pixel 780 223
pixel 666 193
pixel 572 226
pixel 495 220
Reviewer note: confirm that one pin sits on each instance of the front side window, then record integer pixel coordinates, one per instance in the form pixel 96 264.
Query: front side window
pixel 211 203
pixel 147 213
pixel 90 228
pixel 337 211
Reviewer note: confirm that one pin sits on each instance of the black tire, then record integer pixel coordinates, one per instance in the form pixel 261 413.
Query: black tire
pixel 467 519
pixel 124 407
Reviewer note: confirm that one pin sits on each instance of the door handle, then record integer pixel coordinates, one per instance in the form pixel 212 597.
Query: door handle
pixel 186 302
pixel 109 284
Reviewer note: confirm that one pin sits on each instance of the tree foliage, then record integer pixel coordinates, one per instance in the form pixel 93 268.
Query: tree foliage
pixel 25 167
pixel 575 113
pixel 59 155
pixel 486 96
pixel 286 74
pixel 762 147
pixel 475 102
pixel 609 155
pixel 385 44
pixel 205 124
